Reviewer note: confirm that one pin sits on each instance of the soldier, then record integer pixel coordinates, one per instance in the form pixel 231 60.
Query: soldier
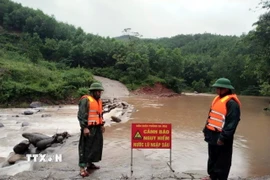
pixel 219 129
pixel 92 129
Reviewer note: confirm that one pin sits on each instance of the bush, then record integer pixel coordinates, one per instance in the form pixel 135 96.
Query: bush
pixel 265 89
pixel 176 84
pixel 78 77
pixel 251 90
pixel 108 72
pixel 199 86
pixel 152 80
pixel 132 86
pixel 82 91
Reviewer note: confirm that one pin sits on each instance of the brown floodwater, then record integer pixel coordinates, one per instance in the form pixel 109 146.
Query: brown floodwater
pixel 187 114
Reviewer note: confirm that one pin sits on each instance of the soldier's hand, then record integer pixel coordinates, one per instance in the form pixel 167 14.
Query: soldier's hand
pixel 86 132
pixel 219 142
pixel 102 129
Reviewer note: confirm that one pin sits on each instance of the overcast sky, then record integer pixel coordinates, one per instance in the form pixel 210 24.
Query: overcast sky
pixel 153 18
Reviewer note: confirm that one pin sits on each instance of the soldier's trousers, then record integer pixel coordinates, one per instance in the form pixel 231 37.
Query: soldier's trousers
pixel 219 161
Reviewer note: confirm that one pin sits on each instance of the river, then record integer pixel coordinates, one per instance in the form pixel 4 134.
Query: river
pixel 187 114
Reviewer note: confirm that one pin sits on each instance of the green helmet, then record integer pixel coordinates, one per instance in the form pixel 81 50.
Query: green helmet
pixel 223 83
pixel 96 86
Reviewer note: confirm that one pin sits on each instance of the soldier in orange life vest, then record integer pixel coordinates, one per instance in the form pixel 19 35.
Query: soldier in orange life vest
pixel 221 124
pixel 90 116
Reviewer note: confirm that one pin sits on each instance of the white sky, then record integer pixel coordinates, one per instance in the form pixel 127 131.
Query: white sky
pixel 153 18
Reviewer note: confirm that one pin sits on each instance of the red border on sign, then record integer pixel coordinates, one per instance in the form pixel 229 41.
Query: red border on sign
pixel 151 136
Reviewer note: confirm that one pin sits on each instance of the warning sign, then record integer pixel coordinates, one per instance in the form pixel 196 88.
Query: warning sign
pixel 151 135
pixel 137 135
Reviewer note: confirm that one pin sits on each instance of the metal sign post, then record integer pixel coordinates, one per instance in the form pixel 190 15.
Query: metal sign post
pixel 151 136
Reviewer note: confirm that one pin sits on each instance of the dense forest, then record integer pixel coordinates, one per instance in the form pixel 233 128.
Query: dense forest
pixel 41 57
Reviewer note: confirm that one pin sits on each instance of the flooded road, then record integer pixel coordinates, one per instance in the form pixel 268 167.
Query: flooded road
pixel 187 114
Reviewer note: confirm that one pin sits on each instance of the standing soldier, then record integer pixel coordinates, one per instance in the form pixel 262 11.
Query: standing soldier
pixel 92 129
pixel 219 130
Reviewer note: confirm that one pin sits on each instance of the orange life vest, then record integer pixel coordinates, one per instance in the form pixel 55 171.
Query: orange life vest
pixel 95 111
pixel 218 112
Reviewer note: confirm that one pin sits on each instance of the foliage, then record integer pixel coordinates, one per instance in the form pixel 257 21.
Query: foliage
pixel 43 57
pixel 23 79
pixel 82 91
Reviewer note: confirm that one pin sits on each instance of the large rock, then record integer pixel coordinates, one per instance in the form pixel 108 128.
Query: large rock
pixel 125 105
pixel 1 125
pixel 35 104
pixel 22 147
pixel 65 135
pixel 16 157
pixel 28 112
pixel 116 119
pixel 5 162
pixel 25 124
pixel 35 137
pixel 60 139
pixel 43 144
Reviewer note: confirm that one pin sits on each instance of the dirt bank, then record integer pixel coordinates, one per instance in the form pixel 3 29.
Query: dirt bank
pixel 157 90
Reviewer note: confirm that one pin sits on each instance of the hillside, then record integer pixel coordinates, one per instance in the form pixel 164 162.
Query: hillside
pixel 23 81
pixel 126 38
pixel 180 63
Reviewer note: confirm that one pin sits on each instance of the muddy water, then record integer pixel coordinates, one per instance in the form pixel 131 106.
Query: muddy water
pixel 187 114
pixel 251 153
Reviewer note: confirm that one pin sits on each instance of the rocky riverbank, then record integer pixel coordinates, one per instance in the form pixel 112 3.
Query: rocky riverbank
pixel 28 123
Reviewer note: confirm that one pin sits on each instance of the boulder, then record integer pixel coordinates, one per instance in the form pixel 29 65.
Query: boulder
pixel 22 147
pixel 125 105
pixel 28 112
pixel 1 125
pixel 16 157
pixel 43 144
pixel 35 137
pixel 5 163
pixel 65 135
pixel 60 139
pixel 25 124
pixel 35 104
pixel 116 119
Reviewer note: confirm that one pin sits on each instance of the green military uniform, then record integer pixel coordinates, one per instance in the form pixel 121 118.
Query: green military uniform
pixel 220 156
pixel 90 147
